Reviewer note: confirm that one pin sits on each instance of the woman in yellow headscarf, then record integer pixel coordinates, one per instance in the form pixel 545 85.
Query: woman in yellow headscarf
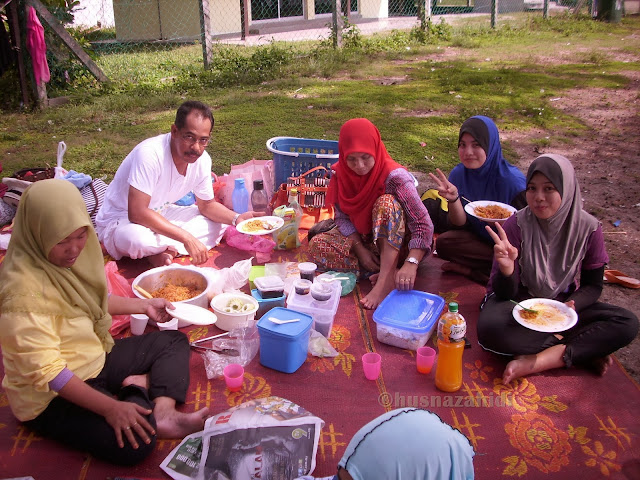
pixel 65 377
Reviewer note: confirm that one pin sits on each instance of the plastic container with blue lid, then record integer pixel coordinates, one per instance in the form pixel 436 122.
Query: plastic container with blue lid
pixel 284 347
pixel 406 319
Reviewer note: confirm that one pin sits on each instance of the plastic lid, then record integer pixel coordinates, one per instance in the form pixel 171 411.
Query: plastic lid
pixel 410 310
pixel 258 184
pixel 291 330
pixel 239 181
pixel 269 283
pixel 453 307
pixel 293 191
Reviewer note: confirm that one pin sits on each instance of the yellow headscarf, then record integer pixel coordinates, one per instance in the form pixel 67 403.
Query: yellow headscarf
pixel 49 211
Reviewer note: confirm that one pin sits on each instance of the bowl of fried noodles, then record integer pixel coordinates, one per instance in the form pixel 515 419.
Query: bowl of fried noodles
pixel 175 283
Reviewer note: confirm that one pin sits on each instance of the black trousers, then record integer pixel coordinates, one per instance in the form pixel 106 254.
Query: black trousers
pixel 164 355
pixel 601 330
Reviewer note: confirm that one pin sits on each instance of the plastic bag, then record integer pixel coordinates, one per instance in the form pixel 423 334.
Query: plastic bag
pixel 319 346
pixel 117 285
pixel 227 279
pixel 241 346
pixel 250 171
pixel 59 171
pixel 262 246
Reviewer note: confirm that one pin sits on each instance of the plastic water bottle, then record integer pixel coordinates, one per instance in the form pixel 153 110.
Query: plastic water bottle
pixel 240 197
pixel 259 200
pixel 451 331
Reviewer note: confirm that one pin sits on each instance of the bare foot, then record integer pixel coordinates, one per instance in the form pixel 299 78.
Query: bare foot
pixel 163 258
pixel 456 268
pixel 519 367
pixel 174 424
pixel 601 365
pixel 380 290
pixel 139 380
pixel 374 278
pixel 522 365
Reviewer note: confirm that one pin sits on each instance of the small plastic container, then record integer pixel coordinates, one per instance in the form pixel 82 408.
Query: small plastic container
pixel 266 304
pixel 321 291
pixel 406 319
pixel 284 347
pixel 270 287
pixel 302 287
pixel 307 270
pixel 323 312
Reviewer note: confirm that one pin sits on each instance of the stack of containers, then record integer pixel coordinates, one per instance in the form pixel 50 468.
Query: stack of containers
pixel 322 311
pixel 269 293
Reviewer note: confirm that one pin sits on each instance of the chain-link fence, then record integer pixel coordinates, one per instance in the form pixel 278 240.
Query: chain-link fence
pixel 190 28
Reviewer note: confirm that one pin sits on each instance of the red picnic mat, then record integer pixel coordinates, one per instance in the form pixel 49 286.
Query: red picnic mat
pixel 556 425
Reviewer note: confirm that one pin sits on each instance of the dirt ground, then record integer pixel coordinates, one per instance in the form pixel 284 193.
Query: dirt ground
pixel 607 163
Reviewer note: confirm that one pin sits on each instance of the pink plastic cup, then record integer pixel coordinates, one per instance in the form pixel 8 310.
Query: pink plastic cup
pixel 371 363
pixel 425 356
pixel 233 376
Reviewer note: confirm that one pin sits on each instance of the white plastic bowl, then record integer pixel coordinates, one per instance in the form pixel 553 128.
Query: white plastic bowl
pixel 174 274
pixel 229 320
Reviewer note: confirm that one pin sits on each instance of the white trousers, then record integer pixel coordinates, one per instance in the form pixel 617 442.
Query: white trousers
pixel 125 239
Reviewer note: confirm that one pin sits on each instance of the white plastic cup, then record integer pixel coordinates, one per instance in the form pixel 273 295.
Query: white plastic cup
pixel 137 323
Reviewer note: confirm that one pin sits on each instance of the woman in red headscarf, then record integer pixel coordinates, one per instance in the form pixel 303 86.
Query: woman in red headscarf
pixel 382 229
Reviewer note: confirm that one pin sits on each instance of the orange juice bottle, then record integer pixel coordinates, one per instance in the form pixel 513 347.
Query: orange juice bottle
pixel 451 331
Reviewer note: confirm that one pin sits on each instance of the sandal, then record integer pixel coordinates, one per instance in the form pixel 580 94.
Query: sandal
pixel 616 276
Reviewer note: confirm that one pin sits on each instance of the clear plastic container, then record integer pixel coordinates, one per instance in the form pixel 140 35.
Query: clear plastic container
pixel 302 287
pixel 271 286
pixel 406 319
pixel 323 312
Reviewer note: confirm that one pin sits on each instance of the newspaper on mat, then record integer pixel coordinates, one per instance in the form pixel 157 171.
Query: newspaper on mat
pixel 267 438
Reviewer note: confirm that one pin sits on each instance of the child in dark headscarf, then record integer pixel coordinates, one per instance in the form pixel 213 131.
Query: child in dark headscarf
pixel 539 253
pixel 383 229
pixel 482 174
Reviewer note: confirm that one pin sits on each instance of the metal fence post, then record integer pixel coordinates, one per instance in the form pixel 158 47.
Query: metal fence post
pixel 205 37
pixel 494 13
pixel 545 10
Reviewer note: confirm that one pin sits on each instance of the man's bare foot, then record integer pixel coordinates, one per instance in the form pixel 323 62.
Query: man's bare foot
pixel 174 424
pixel 601 365
pixel 456 268
pixel 163 258
pixel 374 278
pixel 139 380
pixel 380 290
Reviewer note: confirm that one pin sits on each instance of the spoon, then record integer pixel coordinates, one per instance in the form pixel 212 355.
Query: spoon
pixel 324 279
pixel 143 291
pixel 280 322
pixel 523 307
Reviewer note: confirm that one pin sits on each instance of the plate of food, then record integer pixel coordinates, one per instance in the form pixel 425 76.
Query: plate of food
pixel 190 314
pixel 260 225
pixel 550 315
pixel 489 211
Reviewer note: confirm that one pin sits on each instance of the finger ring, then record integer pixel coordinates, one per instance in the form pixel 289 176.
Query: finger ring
pixel 127 428
pixel 134 424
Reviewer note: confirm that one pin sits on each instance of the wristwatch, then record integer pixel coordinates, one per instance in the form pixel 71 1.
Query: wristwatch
pixel 235 219
pixel 413 260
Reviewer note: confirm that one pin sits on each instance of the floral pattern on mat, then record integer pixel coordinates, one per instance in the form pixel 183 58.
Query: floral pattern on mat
pixel 340 339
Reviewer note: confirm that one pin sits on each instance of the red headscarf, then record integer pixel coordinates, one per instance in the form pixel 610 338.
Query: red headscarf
pixel 355 194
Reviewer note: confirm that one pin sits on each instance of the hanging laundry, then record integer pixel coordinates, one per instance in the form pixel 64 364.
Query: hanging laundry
pixel 37 48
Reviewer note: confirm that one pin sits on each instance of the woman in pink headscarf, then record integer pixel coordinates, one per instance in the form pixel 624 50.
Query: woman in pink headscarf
pixel 382 229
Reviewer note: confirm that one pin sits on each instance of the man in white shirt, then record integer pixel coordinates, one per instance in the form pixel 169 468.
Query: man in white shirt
pixel 138 217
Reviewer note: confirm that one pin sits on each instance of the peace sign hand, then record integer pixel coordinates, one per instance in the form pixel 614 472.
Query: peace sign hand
pixel 504 253
pixel 445 188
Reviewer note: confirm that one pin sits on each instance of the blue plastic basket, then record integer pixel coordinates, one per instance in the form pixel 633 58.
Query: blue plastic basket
pixel 294 156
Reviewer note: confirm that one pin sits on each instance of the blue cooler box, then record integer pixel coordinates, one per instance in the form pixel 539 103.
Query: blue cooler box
pixel 284 347
pixel 406 319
